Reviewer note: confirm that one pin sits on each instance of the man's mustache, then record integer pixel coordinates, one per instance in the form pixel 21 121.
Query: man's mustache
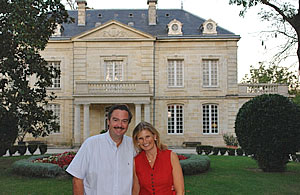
pixel 119 128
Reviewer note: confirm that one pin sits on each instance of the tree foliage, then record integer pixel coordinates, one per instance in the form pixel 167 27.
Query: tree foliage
pixel 273 74
pixel 71 4
pixel 285 17
pixel 268 127
pixel 26 27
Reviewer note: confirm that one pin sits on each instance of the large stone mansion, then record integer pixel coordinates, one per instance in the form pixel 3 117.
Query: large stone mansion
pixel 171 67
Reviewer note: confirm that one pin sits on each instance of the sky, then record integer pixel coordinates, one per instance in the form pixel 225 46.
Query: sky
pixel 250 48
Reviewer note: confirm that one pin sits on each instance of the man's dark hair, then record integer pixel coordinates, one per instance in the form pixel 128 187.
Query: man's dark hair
pixel 120 107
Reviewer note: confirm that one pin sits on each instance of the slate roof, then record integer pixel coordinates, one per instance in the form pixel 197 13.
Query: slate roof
pixel 139 17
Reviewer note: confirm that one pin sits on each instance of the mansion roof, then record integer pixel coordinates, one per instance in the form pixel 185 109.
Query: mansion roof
pixel 138 19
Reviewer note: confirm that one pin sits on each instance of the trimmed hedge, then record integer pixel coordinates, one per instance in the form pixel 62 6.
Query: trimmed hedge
pixel 195 164
pixel 26 167
pixel 268 127
pixel 204 148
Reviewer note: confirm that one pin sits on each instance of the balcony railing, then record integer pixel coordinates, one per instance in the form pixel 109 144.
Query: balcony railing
pixel 259 89
pixel 112 87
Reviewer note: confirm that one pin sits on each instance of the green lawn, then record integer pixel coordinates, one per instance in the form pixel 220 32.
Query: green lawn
pixel 227 175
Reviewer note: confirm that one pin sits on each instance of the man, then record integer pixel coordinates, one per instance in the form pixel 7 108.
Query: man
pixel 104 163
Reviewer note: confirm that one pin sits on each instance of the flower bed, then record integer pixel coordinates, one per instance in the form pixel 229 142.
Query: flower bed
pixel 182 157
pixel 55 165
pixel 62 160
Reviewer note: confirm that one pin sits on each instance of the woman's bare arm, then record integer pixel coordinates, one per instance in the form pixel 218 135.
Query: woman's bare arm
pixel 177 174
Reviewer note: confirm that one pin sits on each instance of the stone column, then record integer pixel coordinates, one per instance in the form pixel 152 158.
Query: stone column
pixel 138 113
pixel 86 121
pixel 77 126
pixel 147 113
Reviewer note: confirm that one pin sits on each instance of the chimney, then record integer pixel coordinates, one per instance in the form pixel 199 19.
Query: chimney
pixel 81 12
pixel 152 12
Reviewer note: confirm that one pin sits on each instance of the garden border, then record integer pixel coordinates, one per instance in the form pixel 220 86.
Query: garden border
pixel 26 167
pixel 194 164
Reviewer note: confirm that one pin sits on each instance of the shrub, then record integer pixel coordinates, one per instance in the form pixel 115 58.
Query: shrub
pixel 199 150
pixel 43 148
pixel 195 164
pixel 32 148
pixel 204 148
pixel 239 152
pixel 12 150
pixel 26 167
pixel 231 151
pixel 268 127
pixel 216 151
pixel 230 140
pixel 21 148
pixel 223 150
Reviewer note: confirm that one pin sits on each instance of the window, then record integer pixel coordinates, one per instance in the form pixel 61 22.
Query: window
pixel 56 80
pixel 175 119
pixel 106 117
pixel 210 119
pixel 175 73
pixel 114 70
pixel 55 108
pixel 210 73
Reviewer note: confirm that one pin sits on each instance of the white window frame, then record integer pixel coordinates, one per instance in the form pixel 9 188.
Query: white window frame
pixel 114 64
pixel 208 123
pixel 56 82
pixel 57 112
pixel 207 74
pixel 174 69
pixel 177 129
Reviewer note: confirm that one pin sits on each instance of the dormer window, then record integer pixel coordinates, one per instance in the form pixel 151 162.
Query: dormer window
pixel 130 23
pixel 100 15
pixel 57 31
pixel 167 15
pixel 130 15
pixel 175 28
pixel 209 27
pixel 97 24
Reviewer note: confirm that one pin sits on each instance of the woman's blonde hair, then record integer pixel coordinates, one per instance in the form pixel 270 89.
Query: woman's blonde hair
pixel 147 126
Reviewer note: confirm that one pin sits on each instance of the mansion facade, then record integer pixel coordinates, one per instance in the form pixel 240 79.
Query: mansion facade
pixel 172 68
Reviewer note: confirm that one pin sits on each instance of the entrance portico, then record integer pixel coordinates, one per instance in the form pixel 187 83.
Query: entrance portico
pixel 89 99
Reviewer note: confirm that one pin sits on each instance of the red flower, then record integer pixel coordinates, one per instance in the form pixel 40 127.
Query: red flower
pixel 61 160
pixel 182 157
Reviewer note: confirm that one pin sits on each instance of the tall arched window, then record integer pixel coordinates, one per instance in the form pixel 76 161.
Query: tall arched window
pixel 210 119
pixel 175 119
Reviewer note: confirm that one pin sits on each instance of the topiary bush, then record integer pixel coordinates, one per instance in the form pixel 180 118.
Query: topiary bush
pixel 239 152
pixel 268 127
pixel 195 164
pixel 204 149
pixel 223 150
pixel 231 151
pixel 216 151
pixel 26 167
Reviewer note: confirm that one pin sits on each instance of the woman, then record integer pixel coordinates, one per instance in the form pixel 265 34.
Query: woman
pixel 156 169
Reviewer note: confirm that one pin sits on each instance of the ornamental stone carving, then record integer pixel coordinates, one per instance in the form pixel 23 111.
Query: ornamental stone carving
pixel 114 32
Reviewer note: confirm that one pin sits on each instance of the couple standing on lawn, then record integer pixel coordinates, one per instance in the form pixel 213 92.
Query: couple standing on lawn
pixel 108 164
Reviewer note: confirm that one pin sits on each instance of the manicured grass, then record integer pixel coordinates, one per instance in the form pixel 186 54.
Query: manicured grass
pixel 227 175
pixel 11 184
pixel 240 175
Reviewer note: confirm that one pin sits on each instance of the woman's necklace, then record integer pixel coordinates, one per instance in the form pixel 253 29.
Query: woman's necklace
pixel 151 159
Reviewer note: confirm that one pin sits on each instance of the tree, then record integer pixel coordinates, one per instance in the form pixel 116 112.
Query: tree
pixel 272 74
pixel 285 16
pixel 71 4
pixel 268 127
pixel 26 27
